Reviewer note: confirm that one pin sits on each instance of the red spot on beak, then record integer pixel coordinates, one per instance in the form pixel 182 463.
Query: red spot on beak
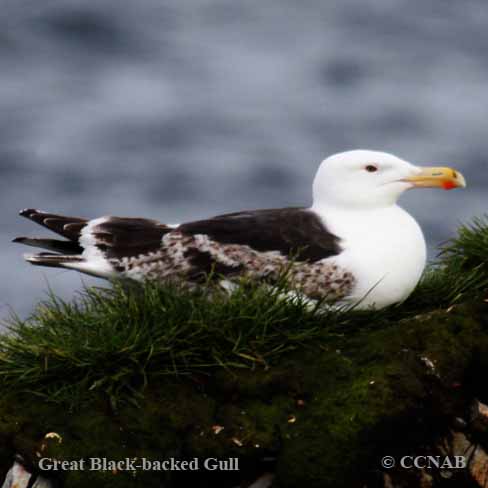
pixel 448 185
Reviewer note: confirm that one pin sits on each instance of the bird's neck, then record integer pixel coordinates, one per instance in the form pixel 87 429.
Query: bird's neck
pixel 366 212
pixel 368 223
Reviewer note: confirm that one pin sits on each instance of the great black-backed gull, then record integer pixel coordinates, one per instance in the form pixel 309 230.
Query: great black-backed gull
pixel 354 245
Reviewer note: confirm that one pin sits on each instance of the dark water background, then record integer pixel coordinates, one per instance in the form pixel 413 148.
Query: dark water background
pixel 184 109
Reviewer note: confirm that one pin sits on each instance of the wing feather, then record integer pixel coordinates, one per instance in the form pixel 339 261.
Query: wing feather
pixel 289 231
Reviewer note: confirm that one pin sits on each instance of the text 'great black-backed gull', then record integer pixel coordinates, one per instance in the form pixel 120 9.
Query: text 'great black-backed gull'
pixel 354 246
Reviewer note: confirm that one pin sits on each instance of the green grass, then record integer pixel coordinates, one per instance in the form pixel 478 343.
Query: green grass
pixel 118 339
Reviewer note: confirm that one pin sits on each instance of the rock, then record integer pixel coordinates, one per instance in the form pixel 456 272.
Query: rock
pixel 375 398
pixel 388 482
pixel 265 481
pixel 459 424
pixel 479 416
pixel 476 458
pixel 456 444
pixel 426 480
pixel 19 477
pixel 478 467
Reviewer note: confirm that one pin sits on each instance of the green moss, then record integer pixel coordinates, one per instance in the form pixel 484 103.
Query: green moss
pixel 149 373
pixel 354 388
pixel 378 380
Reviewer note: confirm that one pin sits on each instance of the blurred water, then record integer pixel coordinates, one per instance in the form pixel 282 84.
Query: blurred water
pixel 184 109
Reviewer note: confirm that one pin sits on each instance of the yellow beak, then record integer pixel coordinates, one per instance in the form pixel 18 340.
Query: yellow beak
pixel 446 178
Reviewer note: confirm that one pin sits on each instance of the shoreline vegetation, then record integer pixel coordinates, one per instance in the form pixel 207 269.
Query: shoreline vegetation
pixel 315 399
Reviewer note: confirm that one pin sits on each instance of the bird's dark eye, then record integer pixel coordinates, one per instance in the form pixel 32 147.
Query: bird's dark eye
pixel 371 168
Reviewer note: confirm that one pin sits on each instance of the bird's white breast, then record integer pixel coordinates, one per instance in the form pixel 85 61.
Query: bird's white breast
pixel 385 250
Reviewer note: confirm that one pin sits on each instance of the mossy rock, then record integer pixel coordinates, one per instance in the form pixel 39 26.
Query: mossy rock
pixel 317 398
pixel 326 412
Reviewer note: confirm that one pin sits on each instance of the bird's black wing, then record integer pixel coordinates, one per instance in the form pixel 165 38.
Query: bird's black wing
pixel 291 231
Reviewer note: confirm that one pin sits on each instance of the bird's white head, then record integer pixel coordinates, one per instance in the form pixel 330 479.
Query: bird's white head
pixel 371 179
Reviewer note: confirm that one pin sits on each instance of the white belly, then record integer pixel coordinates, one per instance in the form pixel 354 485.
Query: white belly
pixel 386 251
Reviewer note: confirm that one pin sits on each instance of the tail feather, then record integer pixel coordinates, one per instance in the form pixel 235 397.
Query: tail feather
pixel 69 227
pixel 94 246
pixel 52 260
pixel 67 253
pixel 56 245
